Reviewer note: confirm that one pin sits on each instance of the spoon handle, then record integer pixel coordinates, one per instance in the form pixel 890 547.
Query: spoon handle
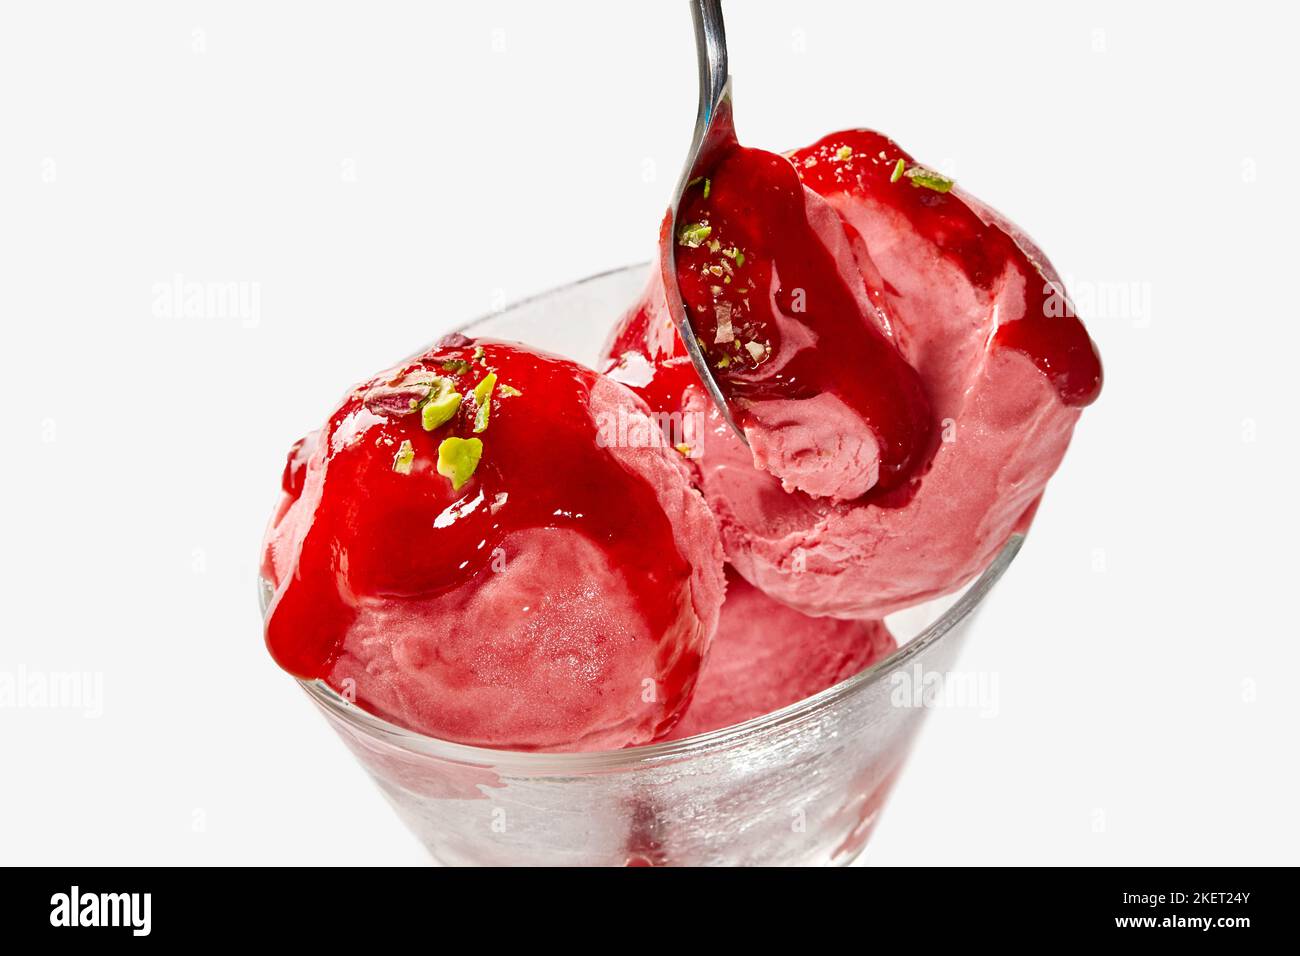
pixel 714 133
pixel 711 51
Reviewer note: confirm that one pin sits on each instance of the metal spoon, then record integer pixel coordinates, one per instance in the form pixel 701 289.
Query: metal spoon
pixel 714 132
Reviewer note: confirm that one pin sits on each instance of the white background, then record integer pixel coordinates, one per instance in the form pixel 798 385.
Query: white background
pixel 382 171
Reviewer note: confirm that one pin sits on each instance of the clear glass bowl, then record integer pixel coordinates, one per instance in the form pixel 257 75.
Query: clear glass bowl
pixel 803 785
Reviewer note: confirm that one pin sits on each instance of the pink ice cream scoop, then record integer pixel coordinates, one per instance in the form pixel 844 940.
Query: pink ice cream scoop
pixel 945 427
pixel 493 546
pixel 766 655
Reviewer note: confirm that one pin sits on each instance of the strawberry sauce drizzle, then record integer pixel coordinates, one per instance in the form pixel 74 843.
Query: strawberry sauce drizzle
pixel 778 320
pixel 379 534
pixel 1044 328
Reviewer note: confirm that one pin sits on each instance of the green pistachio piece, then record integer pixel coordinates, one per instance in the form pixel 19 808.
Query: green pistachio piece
pixel 508 391
pixel 404 458
pixel 457 459
pixel 693 234
pixel 441 405
pixel 843 153
pixel 897 174
pixel 928 178
pixel 455 366
pixel 483 399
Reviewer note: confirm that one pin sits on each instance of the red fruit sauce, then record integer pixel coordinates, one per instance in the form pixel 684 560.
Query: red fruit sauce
pixel 1045 328
pixel 760 260
pixel 761 281
pixel 378 533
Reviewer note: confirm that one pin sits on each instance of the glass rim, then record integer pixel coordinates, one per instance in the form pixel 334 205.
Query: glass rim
pixel 550 763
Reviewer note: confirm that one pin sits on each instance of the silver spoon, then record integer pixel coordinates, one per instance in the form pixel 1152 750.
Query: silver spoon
pixel 713 133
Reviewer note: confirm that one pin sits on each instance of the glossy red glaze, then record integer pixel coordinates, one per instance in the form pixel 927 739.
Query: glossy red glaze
pixel 777 319
pixel 380 534
pixel 1043 328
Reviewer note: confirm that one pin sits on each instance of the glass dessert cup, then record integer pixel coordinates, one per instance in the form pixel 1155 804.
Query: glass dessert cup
pixel 803 785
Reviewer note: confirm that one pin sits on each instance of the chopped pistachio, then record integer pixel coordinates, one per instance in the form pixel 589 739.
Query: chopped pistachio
pixel 714 245
pixel 725 333
pixel 457 459
pixel 843 153
pixel 508 391
pixel 455 366
pixel 442 404
pixel 404 458
pixel 708 186
pixel 928 178
pixel 483 399
pixel 897 174
pixel 400 396
pixel 723 362
pixel 483 390
pixel 736 254
pixel 693 234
